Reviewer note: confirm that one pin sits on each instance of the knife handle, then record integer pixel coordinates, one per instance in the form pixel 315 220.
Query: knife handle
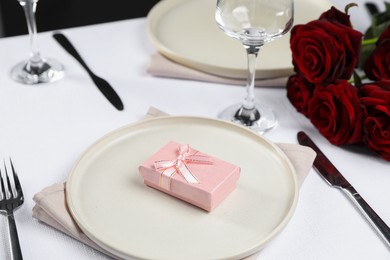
pixel 377 223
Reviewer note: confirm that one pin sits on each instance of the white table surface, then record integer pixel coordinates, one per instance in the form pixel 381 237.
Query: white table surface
pixel 46 128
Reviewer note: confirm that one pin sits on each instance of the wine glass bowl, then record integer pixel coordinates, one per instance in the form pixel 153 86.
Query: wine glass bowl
pixel 35 69
pixel 254 23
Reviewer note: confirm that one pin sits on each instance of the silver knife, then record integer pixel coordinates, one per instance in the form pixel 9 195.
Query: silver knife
pixel 334 178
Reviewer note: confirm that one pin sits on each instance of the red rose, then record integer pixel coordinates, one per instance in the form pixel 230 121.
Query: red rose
pixel 334 15
pixel 377 66
pixel 299 92
pixel 376 100
pixel 325 53
pixel 325 50
pixel 336 112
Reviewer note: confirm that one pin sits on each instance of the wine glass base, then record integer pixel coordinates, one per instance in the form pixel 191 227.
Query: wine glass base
pixel 266 122
pixel 51 70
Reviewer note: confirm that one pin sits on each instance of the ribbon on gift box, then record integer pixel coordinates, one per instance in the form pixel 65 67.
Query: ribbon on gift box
pixel 179 165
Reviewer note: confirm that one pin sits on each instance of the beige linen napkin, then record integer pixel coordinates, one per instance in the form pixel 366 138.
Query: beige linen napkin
pixel 51 207
pixel 161 66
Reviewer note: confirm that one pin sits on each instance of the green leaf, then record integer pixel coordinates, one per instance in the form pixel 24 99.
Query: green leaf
pixel 357 79
pixel 365 51
pixel 348 6
pixel 379 23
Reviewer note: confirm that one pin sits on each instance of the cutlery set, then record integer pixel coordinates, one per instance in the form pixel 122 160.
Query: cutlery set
pixel 11 194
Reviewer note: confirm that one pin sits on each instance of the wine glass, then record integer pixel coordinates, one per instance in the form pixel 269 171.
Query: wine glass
pixel 36 69
pixel 254 23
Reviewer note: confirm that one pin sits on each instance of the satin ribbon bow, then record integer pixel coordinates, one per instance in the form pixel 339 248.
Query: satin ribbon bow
pixel 179 165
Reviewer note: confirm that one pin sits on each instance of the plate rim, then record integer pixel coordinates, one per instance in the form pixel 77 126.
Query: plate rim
pixel 244 252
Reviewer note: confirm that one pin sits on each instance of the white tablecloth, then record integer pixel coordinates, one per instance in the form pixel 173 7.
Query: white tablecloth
pixel 46 128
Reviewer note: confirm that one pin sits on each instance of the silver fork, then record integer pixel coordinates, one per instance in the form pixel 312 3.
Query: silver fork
pixel 11 198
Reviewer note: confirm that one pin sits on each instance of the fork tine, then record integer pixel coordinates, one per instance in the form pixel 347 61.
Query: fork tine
pixel 18 187
pixel 10 192
pixel 2 191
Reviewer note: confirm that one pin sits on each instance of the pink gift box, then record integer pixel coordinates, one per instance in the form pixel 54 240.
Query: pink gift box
pixel 190 175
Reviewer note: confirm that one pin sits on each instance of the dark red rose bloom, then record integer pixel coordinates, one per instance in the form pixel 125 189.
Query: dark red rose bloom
pixel 324 50
pixel 336 112
pixel 334 15
pixel 377 66
pixel 375 98
pixel 299 92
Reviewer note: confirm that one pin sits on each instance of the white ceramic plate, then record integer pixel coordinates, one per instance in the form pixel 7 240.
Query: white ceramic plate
pixel 110 203
pixel 185 31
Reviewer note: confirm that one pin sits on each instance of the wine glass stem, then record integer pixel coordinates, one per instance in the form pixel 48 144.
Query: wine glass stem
pixel 249 101
pixel 29 8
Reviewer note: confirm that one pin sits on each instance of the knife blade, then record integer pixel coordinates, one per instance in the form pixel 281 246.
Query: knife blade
pixel 105 88
pixel 334 178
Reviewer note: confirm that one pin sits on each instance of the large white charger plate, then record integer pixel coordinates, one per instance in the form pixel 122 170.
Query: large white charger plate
pixel 185 31
pixel 108 200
